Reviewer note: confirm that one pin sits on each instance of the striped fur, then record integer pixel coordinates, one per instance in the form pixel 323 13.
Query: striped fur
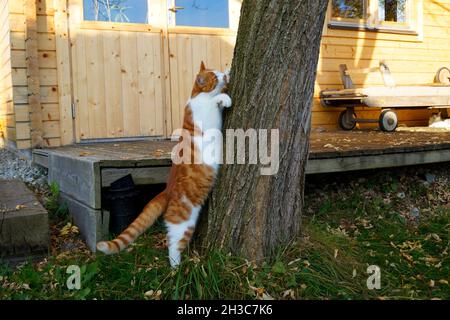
pixel 189 184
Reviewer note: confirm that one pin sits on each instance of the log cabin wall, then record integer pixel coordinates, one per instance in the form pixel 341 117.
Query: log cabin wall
pixel 47 77
pixel 7 118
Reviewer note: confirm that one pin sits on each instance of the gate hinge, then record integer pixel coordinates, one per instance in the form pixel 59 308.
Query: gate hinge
pixel 73 110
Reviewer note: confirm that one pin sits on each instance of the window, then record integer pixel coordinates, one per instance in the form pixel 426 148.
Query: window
pixel 348 9
pixel 392 10
pixel 382 15
pixel 202 13
pixel 130 11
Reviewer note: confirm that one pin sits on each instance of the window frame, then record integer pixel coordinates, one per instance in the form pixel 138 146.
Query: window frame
pixel 412 25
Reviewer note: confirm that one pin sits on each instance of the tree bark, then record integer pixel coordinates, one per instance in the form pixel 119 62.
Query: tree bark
pixel 273 74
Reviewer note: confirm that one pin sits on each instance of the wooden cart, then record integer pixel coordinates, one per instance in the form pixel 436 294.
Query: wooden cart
pixel 388 98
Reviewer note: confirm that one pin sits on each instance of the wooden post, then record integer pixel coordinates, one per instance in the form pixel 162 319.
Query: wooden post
pixel 31 54
pixel 64 72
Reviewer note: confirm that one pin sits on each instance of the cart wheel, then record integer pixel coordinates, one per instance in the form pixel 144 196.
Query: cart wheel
pixel 388 120
pixel 347 120
pixel 443 76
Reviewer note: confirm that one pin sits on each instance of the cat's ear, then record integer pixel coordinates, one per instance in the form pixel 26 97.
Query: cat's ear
pixel 202 66
pixel 200 80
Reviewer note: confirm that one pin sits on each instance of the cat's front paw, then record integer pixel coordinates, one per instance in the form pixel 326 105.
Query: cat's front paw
pixel 223 101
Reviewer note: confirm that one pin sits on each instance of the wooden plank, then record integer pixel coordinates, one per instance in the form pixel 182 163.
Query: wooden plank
pixel 18 40
pixel 47 7
pixel 213 52
pixel 50 111
pixel 199 53
pixel 45 23
pixel 201 31
pixel 113 86
pixel 31 50
pixel 130 102
pixel 81 85
pixel 48 94
pixel 23 131
pixel 118 26
pixel 95 84
pixel 51 129
pixel 64 77
pixel 141 176
pixel 146 84
pixel 343 164
pixel 164 55
pixel 185 74
pixel 16 6
pixel 47 59
pixel 46 41
pixel 174 83
pixel 48 77
pixel 78 64
pixel 161 79
pixel 18 59
pixel 22 112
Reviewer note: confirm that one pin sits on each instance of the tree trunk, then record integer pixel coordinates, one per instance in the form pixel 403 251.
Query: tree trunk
pixel 273 74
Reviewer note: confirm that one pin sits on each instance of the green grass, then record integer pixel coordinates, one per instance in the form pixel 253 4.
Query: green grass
pixel 349 225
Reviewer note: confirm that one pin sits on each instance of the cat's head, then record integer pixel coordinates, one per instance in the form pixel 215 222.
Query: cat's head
pixel 209 81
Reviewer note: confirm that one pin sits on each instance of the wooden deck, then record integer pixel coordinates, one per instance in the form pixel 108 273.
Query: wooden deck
pixel 347 150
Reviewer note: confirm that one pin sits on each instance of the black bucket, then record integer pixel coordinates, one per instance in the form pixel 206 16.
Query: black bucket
pixel 122 196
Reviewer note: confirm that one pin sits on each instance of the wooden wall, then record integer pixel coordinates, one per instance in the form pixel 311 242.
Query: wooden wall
pixel 187 50
pixel 412 59
pixel 7 119
pixel 47 73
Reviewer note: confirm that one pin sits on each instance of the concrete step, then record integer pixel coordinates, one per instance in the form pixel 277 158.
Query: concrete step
pixel 24 227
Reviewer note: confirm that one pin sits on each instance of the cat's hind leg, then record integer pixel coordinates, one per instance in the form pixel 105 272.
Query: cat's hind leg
pixel 179 233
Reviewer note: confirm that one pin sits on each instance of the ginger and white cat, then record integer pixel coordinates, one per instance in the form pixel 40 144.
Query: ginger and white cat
pixel 189 184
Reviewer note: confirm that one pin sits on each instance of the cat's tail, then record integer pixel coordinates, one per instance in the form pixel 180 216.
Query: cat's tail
pixel 147 217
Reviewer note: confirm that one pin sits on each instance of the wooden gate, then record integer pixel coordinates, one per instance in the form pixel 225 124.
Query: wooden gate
pixel 132 80
pixel 117 77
